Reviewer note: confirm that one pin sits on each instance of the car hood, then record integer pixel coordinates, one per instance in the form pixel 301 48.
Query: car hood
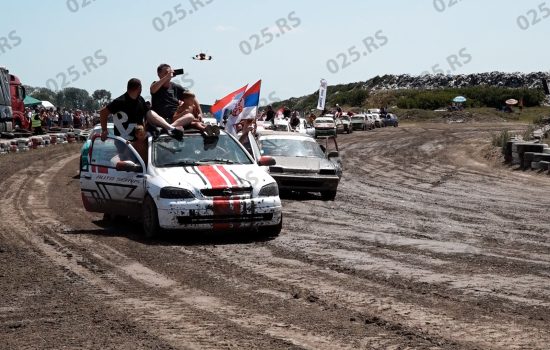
pixel 303 164
pixel 212 176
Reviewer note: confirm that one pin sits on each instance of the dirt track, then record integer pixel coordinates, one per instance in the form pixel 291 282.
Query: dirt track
pixel 428 245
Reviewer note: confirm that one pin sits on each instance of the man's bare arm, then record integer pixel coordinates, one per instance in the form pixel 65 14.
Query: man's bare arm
pixel 103 115
pixel 158 84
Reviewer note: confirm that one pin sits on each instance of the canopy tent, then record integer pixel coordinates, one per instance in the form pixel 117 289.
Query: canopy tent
pixel 459 99
pixel 31 101
pixel 47 104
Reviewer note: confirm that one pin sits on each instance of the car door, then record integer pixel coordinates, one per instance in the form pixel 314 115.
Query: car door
pixel 114 181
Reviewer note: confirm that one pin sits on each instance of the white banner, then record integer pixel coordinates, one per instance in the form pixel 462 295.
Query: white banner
pixel 322 95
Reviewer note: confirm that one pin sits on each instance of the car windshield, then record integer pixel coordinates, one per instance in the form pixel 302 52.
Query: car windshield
pixel 345 118
pixel 357 118
pixel 323 121
pixel 286 147
pixel 280 127
pixel 194 149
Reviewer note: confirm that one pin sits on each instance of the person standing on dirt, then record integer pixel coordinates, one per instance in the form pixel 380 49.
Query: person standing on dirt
pixel 129 110
pixel 37 119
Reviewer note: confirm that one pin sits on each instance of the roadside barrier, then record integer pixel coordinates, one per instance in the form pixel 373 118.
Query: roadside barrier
pixel 19 142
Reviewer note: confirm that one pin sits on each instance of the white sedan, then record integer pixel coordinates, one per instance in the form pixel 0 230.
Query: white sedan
pixel 194 183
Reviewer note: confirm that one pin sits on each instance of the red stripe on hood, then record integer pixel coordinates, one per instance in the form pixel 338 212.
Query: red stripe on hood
pixel 212 176
pixel 226 173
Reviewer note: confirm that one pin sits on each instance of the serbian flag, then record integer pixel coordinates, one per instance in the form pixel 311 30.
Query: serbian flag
pixel 226 104
pixel 250 102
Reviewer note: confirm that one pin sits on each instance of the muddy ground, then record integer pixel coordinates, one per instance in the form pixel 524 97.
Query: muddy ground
pixel 431 243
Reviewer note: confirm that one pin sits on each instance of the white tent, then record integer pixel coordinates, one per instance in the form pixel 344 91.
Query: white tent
pixel 47 104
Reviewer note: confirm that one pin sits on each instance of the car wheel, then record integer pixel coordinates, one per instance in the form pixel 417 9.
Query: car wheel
pixel 150 218
pixel 273 231
pixel 395 125
pixel 328 195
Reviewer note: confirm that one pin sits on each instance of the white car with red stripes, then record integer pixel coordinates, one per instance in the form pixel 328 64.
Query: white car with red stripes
pixel 193 183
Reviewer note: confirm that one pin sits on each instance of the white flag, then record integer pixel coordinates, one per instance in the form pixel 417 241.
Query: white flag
pixel 322 95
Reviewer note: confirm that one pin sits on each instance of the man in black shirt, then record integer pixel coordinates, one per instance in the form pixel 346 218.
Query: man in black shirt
pixel 130 110
pixel 166 95
pixel 269 114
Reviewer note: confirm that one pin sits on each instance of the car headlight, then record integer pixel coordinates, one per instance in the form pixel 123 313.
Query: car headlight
pixel 271 190
pixel 175 193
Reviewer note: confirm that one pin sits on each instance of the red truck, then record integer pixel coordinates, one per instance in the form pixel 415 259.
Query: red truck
pixel 12 107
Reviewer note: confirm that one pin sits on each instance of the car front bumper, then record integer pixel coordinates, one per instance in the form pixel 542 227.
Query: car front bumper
pixel 308 183
pixel 325 132
pixel 219 214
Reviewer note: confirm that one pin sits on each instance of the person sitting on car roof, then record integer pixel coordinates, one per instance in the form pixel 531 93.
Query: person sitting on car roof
pixel 130 110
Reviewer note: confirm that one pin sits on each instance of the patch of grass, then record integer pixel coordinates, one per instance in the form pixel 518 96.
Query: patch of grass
pixel 527 134
pixel 500 139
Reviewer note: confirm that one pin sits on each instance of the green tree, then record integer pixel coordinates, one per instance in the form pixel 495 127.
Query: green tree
pixel 43 94
pixel 75 98
pixel 101 97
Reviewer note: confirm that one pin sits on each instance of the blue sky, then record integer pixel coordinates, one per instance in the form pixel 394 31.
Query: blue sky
pixel 340 41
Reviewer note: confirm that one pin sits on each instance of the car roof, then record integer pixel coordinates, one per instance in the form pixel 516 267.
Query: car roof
pixel 283 135
pixel 325 118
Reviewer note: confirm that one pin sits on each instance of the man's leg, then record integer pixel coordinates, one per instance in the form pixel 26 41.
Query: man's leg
pixel 183 120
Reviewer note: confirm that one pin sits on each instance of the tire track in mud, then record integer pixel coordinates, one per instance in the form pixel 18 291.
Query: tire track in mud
pixel 159 303
pixel 423 248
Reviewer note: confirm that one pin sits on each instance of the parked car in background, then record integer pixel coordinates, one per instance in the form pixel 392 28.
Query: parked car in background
pixel 324 126
pixel 209 121
pixel 305 128
pixel 346 121
pixel 301 164
pixel 370 121
pixel 378 122
pixel 359 122
pixel 391 120
pixel 281 125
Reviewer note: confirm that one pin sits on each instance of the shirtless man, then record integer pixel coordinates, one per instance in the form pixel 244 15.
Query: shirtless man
pixel 140 143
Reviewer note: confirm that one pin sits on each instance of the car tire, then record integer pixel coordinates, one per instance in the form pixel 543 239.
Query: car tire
pixel 395 125
pixel 273 231
pixel 150 218
pixel 328 195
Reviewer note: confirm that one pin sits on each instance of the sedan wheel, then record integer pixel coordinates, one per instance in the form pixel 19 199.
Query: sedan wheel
pixel 150 218
pixel 273 231
pixel 328 195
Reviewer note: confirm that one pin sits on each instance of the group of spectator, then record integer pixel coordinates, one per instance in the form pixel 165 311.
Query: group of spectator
pixel 46 118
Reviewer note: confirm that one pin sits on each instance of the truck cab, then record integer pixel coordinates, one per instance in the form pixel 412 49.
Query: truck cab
pixel 12 106
pixel 6 115
pixel 18 94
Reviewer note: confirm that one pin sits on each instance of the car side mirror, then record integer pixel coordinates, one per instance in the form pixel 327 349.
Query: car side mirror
pixel 333 154
pixel 266 161
pixel 128 167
